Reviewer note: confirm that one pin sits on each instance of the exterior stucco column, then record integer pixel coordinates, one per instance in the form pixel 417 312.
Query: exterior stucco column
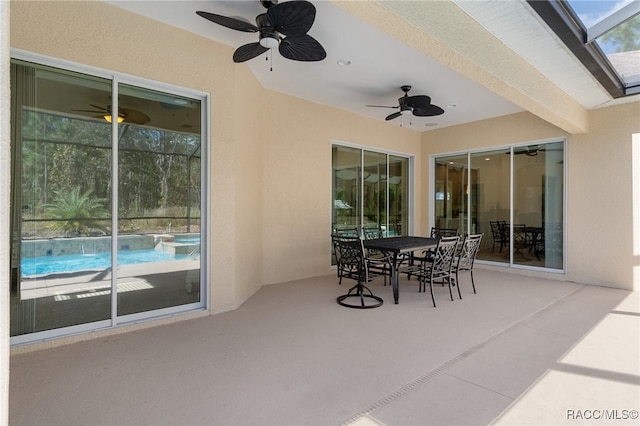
pixel 5 165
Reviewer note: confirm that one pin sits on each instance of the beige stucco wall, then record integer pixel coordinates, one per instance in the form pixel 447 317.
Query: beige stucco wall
pixel 600 219
pixel 297 175
pixel 270 192
pixel 270 153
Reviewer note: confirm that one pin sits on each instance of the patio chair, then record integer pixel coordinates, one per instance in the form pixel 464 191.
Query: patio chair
pixel 466 258
pixel 351 232
pixel 443 232
pixel 372 232
pixel 356 267
pixel 378 261
pixel 440 268
pixel 520 242
pixel 427 255
pixel 500 234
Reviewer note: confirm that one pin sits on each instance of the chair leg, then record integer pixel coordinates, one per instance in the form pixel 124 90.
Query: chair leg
pixel 358 291
pixel 431 288
pixel 449 282
pixel 473 283
pixel 458 285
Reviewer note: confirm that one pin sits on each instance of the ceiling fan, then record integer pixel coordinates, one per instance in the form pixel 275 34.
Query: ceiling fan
pixel 531 150
pixel 419 105
pixel 124 114
pixel 284 25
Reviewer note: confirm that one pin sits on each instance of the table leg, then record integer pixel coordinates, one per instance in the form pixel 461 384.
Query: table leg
pixel 394 278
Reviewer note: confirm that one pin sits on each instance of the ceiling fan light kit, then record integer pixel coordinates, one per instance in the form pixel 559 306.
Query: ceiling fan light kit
pixel 284 25
pixel 109 118
pixel 124 114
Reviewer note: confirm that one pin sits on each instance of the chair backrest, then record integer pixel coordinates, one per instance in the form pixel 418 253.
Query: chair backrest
pixel 371 232
pixel 350 255
pixel 495 229
pixel 443 257
pixel 346 232
pixel 519 234
pixel 468 252
pixel 443 232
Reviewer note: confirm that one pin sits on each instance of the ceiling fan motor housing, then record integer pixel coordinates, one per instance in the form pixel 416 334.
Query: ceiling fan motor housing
pixel 268 3
pixel 269 37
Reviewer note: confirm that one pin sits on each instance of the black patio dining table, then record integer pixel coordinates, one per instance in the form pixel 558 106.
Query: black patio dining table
pixel 397 246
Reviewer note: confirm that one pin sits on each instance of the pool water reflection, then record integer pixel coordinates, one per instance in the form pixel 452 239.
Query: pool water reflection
pixel 45 265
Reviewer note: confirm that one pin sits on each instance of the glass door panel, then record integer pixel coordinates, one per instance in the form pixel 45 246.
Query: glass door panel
pixel 398 222
pixel 451 193
pixel 492 198
pixel 61 198
pixel 538 205
pixel 159 239
pixel 346 188
pixel 375 190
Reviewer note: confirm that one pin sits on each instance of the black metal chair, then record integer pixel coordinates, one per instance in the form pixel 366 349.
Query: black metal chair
pixel 377 260
pixel 342 233
pixel 355 266
pixel 466 258
pixel 500 234
pixel 443 232
pixel 440 268
pixel 427 255
pixel 372 232
pixel 520 242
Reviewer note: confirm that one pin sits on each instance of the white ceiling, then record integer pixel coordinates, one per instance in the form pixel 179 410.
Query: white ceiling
pixel 380 64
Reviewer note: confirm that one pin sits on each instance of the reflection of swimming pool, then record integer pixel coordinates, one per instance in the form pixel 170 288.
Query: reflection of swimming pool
pixel 33 266
pixel 185 239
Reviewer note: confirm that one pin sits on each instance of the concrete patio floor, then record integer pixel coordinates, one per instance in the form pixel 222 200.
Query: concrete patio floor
pixel 523 350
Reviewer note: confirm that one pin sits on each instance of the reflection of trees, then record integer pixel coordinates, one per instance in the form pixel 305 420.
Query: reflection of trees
pixel 625 36
pixel 158 171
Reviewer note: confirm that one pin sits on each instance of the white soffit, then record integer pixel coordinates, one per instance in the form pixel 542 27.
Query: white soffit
pixel 524 32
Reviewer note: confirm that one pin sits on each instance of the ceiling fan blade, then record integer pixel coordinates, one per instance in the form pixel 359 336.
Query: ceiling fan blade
pixel 428 111
pixel 89 110
pixel 392 116
pixel 105 109
pixel 302 48
pixel 248 51
pixel 418 101
pixel 133 116
pixel 293 17
pixel 225 21
pixel 382 106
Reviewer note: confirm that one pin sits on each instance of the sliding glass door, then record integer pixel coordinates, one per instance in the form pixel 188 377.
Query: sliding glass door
pixel 492 201
pixel 538 207
pixel 370 189
pixel 105 218
pixel 513 195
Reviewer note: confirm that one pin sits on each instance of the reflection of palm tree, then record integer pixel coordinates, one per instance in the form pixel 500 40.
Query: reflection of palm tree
pixel 80 213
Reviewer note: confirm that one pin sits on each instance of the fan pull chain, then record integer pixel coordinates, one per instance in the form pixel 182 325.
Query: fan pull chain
pixel 269 55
